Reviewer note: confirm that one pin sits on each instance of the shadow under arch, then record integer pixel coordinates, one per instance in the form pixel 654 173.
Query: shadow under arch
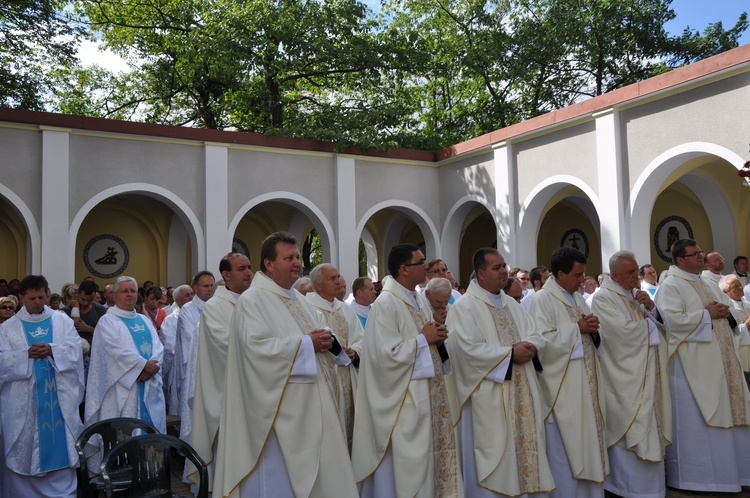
pixel 649 184
pixel 307 207
pixel 415 214
pixel 454 221
pixel 34 250
pixel 532 208
pixel 178 206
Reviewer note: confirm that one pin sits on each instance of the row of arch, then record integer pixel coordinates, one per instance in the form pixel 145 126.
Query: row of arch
pixel 464 221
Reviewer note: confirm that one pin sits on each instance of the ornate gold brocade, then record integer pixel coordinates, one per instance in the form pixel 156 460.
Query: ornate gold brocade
pixel 521 411
pixel 592 380
pixel 730 361
pixel 444 450
pixel 337 322
pixel 324 361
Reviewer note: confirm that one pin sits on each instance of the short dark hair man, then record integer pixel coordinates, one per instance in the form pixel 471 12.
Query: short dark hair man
pixel 52 377
pixel 575 430
pixel 89 311
pixel 740 269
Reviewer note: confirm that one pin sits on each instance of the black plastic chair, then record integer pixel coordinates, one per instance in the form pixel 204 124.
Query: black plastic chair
pixel 150 474
pixel 112 431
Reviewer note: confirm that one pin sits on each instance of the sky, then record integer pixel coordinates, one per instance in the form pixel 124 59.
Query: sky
pixel 696 14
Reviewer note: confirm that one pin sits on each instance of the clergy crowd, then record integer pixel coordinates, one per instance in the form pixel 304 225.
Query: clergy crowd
pixel 541 382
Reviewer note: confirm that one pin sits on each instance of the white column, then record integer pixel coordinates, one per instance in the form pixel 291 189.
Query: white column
pixel 613 213
pixel 506 204
pixel 58 258
pixel 218 238
pixel 346 220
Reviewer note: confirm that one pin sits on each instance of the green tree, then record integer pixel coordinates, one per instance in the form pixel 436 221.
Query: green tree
pixel 35 39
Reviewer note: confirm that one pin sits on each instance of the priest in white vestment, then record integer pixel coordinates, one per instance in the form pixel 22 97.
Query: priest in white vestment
pixel 364 294
pixel 714 267
pixel 280 433
pixel 732 287
pixel 348 332
pixel 638 418
pixel 571 384
pixel 41 386
pixel 649 279
pixel 124 377
pixel 710 400
pixel 404 441
pixel 183 294
pixel 186 350
pixel 213 340
pixel 503 444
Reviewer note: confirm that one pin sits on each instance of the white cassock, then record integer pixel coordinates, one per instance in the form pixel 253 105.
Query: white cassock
pixel 211 368
pixel 635 381
pixel 344 323
pixel 404 440
pixel 502 424
pixel 710 399
pixel 280 431
pixel 39 443
pixel 185 360
pixel 651 289
pixel 573 394
pixel 168 338
pixel 116 363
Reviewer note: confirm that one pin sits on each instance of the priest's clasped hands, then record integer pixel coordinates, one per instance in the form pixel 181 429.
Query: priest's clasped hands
pixel 322 339
pixel 717 310
pixel 434 333
pixel 40 350
pixel 589 324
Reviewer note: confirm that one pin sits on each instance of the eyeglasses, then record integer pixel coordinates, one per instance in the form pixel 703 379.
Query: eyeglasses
pixel 7 308
pixel 694 254
pixel 418 263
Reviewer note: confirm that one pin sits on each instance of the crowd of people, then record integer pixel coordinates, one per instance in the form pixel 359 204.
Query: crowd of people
pixel 541 382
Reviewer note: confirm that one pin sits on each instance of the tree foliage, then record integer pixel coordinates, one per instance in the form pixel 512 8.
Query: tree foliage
pixel 420 74
pixel 35 39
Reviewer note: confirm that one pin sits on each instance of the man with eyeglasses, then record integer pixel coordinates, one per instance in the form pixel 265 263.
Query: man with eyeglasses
pixel 710 400
pixel 404 443
pixel 438 268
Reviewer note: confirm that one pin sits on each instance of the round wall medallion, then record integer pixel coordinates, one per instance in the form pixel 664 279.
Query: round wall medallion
pixel 238 245
pixel 576 239
pixel 106 256
pixel 671 229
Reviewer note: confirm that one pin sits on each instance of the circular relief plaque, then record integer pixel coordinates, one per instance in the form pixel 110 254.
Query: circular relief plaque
pixel 669 230
pixel 106 256
pixel 576 239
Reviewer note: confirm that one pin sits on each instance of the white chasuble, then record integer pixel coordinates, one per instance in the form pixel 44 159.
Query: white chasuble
pixel 721 392
pixel 210 373
pixel 507 422
pixel 634 373
pixel 264 397
pixel 344 323
pixel 571 383
pixel 405 419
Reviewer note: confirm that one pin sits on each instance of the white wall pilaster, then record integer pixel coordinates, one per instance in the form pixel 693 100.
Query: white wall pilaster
pixel 58 259
pixel 506 205
pixel 614 216
pixel 218 238
pixel 346 222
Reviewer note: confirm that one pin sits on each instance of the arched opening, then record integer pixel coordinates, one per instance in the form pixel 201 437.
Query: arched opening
pixel 13 243
pixel 136 235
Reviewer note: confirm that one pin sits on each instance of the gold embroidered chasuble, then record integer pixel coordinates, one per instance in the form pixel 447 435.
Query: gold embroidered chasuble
pixel 721 393
pixel 265 340
pixel 507 418
pixel 571 388
pixel 634 375
pixel 344 323
pixel 410 417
